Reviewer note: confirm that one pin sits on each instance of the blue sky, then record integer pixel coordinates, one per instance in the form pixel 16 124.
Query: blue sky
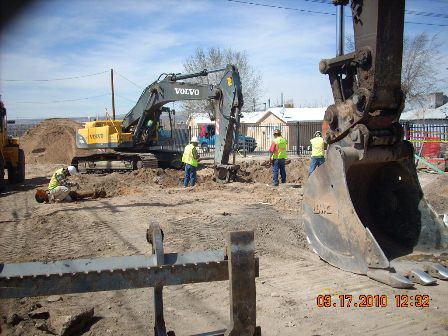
pixel 141 39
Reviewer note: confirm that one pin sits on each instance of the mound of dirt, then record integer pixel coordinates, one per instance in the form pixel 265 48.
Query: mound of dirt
pixel 52 141
pixel 261 171
pixel 436 193
pixel 122 184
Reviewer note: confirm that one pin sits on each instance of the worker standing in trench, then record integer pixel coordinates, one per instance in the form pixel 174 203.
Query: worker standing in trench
pixel 317 152
pixel 278 150
pixel 190 158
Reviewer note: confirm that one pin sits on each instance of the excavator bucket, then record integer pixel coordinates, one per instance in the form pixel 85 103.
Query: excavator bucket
pixel 367 215
pixel 364 210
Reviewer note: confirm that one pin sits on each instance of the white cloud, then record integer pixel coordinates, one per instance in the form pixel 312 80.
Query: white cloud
pixel 141 39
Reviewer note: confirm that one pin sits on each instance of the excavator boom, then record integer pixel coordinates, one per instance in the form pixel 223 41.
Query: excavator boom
pixel 364 210
pixel 132 135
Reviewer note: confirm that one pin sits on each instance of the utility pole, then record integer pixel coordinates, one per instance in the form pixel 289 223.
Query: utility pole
pixel 113 95
pixel 340 30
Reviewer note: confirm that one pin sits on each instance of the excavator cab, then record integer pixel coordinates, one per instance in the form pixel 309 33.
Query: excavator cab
pixel 364 209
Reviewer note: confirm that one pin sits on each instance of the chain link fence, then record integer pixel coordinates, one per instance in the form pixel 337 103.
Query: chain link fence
pixel 257 139
pixel 429 140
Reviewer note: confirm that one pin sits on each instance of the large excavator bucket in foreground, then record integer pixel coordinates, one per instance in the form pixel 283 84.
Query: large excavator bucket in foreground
pixel 368 216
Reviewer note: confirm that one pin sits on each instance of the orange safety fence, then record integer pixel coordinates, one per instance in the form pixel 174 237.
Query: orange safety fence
pixel 430 141
pixel 431 147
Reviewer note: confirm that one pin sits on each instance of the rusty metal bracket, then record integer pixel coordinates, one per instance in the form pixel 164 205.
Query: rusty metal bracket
pixel 237 264
pixel 157 251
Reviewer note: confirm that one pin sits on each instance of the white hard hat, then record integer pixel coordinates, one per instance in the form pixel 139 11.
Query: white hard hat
pixel 72 170
pixel 194 139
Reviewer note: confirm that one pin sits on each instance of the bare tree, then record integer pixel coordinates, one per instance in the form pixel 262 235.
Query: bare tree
pixel 289 103
pixel 420 76
pixel 213 58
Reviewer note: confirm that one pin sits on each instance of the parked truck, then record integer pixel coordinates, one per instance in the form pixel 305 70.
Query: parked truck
pixel 12 157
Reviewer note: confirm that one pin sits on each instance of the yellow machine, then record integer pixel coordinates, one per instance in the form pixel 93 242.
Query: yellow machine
pixel 12 157
pixel 103 134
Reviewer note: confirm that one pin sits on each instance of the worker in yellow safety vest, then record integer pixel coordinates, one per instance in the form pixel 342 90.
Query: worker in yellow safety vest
pixel 59 186
pixel 278 150
pixel 190 158
pixel 317 152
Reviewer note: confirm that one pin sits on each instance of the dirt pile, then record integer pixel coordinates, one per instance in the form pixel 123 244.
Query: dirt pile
pixel 52 141
pixel 122 184
pixel 261 171
pixel 135 182
pixel 50 316
pixel 436 193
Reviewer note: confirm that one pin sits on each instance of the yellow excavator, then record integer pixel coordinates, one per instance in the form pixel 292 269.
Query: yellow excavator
pixel 134 142
pixel 364 209
pixel 12 157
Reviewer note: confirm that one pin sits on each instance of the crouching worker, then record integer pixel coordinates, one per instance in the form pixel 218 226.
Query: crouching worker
pixel 59 186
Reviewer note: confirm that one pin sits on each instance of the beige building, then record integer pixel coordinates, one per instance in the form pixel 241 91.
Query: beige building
pixel 297 125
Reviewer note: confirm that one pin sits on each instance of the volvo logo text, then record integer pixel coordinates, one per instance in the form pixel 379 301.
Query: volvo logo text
pixel 191 92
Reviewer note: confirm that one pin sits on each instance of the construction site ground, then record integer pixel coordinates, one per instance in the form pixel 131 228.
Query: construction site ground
pixel 291 275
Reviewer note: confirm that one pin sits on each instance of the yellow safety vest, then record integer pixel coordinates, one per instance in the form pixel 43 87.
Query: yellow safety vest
pixel 280 152
pixel 317 146
pixel 188 157
pixel 54 180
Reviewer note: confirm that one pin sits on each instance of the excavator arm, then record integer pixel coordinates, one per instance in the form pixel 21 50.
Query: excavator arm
pixel 366 83
pixel 161 93
pixel 227 100
pixel 369 168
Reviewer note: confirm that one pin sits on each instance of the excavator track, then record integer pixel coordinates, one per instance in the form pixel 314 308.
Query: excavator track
pixel 114 162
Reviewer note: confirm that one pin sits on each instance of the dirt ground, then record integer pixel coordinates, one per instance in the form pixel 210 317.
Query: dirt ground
pixel 437 192
pixel 291 275
pixel 52 141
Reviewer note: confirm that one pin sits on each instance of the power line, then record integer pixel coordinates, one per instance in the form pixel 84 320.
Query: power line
pixel 410 12
pixel 139 86
pixel 320 1
pixel 58 101
pixel 427 24
pixel 132 101
pixel 281 7
pixel 325 13
pixel 52 79
pixel 427 14
pixel 440 1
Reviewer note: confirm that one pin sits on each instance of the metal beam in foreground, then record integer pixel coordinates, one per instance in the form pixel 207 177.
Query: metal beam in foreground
pixel 115 273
